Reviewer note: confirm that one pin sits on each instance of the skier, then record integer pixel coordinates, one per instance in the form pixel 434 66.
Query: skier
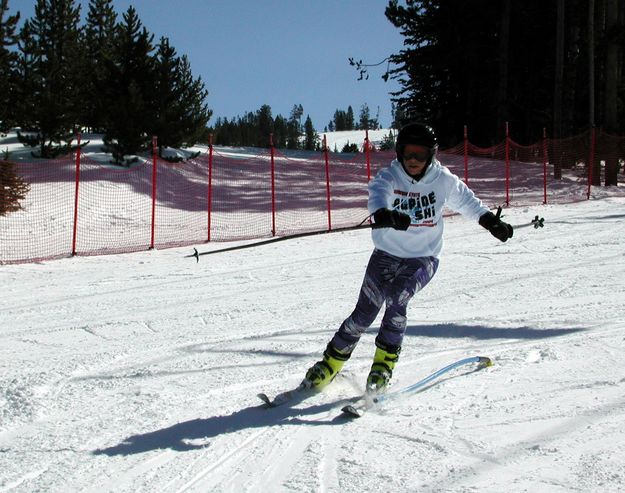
pixel 406 201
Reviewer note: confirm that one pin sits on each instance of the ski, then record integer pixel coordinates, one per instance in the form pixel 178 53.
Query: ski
pixel 297 394
pixel 357 411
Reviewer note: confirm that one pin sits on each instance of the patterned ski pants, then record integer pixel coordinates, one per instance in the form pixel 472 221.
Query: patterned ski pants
pixel 391 280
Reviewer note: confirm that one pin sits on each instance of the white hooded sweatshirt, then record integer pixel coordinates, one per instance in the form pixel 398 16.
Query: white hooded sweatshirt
pixel 423 201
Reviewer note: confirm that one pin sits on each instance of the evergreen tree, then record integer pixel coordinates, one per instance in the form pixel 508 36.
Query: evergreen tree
pixel 52 38
pixel 349 119
pixel 398 116
pixel 294 127
pixel 195 113
pixel 98 38
pixel 505 67
pixel 448 70
pixel 340 120
pixel 129 97
pixel 8 66
pixel 350 148
pixel 364 121
pixel 265 126
pixel 388 142
pixel 181 115
pixel 168 94
pixel 28 79
pixel 280 130
pixel 311 140
pixel 12 189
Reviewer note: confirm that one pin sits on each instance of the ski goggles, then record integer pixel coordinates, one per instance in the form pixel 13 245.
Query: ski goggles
pixel 423 155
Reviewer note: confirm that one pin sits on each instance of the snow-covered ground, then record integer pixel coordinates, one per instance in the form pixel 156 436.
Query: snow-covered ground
pixel 93 145
pixel 337 140
pixel 139 372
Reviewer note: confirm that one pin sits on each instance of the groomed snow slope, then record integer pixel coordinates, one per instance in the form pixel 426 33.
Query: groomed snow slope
pixel 139 372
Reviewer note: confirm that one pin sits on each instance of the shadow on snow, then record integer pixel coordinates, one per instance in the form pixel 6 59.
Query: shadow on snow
pixel 483 332
pixel 194 434
pixel 180 437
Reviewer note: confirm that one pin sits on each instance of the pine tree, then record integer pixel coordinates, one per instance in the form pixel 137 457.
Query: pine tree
pixel 195 113
pixel 340 120
pixel 294 127
pixel 168 109
pixel 53 43
pixel 99 35
pixel 311 140
pixel 280 131
pixel 181 114
pixel 265 126
pixel 129 96
pixel 349 119
pixel 28 79
pixel 12 189
pixel 8 66
pixel 364 121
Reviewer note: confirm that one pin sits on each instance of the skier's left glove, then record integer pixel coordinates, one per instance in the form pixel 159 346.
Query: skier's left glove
pixel 499 229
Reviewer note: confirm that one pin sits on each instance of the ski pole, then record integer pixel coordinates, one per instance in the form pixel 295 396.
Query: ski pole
pixel 537 222
pixel 197 254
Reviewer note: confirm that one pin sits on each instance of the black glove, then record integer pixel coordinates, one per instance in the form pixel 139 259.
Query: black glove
pixel 385 218
pixel 500 230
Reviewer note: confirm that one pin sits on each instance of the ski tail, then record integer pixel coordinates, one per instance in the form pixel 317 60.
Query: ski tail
pixel 293 396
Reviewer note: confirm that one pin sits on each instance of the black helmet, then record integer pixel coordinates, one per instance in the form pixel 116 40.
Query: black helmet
pixel 416 134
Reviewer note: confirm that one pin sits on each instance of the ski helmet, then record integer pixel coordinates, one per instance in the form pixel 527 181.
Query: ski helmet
pixel 416 134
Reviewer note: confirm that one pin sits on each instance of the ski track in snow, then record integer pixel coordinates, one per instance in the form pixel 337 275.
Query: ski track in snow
pixel 140 372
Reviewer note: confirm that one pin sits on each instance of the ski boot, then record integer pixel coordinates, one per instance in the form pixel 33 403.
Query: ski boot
pixel 323 372
pixel 381 371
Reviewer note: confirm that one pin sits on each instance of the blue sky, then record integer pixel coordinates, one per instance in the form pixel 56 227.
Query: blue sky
pixel 275 52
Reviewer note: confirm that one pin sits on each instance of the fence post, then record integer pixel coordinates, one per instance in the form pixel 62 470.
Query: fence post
pixel 325 154
pixel 367 155
pixel 466 156
pixel 210 185
pixel 76 197
pixel 153 226
pixel 591 160
pixel 507 165
pixel 273 187
pixel 545 161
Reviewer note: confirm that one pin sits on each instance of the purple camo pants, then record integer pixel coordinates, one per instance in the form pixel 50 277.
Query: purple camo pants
pixel 391 280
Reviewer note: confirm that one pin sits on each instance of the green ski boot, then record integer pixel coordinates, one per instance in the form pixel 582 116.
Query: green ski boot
pixel 323 372
pixel 381 371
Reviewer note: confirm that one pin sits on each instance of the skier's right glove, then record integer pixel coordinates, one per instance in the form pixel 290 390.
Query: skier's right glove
pixel 384 218
pixel 499 229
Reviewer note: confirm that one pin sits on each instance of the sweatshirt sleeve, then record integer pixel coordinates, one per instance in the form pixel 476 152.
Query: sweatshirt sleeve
pixel 380 191
pixel 462 199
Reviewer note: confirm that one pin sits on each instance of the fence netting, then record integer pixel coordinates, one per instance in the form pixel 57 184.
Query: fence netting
pixel 84 207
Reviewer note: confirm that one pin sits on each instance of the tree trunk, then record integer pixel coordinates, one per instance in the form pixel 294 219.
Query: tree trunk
pixel 558 85
pixel 611 67
pixel 596 172
pixel 611 87
pixel 504 48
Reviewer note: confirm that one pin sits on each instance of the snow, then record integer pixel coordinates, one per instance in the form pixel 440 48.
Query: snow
pixel 139 372
pixel 337 140
pixel 93 145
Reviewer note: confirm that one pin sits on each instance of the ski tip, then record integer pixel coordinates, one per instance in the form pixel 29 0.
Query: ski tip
pixel 484 362
pixel 351 411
